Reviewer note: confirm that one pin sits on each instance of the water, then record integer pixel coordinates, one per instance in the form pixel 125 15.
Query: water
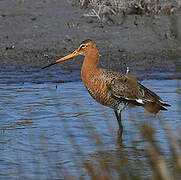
pixel 47 129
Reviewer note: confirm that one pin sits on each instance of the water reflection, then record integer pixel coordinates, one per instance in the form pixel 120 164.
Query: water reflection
pixel 46 131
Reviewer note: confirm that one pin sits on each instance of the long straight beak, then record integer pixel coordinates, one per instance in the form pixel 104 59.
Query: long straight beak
pixel 75 53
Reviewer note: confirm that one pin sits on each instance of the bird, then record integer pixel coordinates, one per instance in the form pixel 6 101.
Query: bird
pixel 112 89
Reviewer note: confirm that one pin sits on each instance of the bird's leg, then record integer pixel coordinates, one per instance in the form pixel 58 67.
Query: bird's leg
pixel 118 116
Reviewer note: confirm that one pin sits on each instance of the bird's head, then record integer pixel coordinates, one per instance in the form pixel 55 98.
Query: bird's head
pixel 83 49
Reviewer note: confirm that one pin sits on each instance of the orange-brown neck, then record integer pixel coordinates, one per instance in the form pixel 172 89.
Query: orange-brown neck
pixel 90 65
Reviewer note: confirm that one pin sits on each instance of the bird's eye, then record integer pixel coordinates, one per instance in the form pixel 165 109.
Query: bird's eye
pixel 83 46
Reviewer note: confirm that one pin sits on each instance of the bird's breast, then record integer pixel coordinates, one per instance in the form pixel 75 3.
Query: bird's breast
pixel 96 85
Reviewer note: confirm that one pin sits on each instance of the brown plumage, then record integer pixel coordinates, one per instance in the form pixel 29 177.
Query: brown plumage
pixel 113 89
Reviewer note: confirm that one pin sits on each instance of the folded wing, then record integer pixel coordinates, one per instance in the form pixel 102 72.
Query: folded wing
pixel 127 88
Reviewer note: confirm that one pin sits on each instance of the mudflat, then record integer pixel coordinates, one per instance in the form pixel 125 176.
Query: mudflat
pixel 35 33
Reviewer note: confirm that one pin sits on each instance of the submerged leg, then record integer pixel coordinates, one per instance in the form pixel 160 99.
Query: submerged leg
pixel 118 116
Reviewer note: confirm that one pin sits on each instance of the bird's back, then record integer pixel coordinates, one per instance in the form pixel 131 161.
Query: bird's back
pixel 113 88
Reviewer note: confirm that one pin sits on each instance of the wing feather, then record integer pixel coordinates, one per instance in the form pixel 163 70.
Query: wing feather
pixel 126 87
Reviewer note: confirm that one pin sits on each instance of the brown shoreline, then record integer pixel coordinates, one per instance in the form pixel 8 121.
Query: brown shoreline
pixel 35 33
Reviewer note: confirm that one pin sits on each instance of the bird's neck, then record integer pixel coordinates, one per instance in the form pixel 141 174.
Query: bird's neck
pixel 90 65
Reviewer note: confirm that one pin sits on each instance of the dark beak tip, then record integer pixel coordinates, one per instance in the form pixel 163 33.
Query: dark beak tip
pixel 48 65
pixel 44 67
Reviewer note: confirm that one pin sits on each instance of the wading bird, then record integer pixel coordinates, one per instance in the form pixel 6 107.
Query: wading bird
pixel 112 89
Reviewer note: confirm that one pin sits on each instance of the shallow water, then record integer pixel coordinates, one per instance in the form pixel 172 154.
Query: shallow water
pixel 47 130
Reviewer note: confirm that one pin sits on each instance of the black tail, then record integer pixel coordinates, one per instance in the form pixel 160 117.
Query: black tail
pixel 164 104
pixel 154 107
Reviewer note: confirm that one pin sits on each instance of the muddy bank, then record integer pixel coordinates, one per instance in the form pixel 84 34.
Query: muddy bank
pixel 34 33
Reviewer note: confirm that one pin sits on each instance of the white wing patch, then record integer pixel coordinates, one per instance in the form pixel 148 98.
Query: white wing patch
pixel 140 101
